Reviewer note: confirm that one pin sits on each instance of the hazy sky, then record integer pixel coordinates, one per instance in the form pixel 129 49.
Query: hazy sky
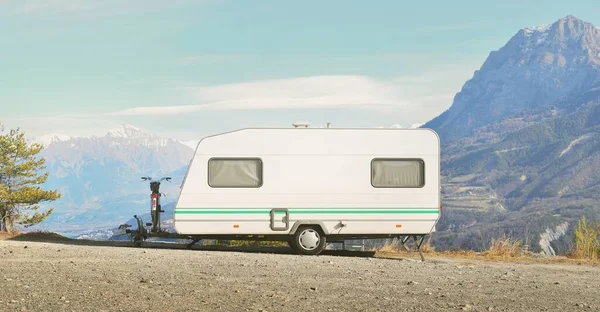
pixel 186 69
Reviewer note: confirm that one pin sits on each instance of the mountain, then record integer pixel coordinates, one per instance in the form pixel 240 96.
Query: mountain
pixel 191 143
pixel 108 233
pixel 529 75
pixel 51 138
pixel 521 141
pixel 99 177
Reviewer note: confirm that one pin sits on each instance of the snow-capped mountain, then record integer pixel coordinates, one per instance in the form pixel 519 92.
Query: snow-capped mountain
pixel 139 150
pixel 99 177
pixel 413 126
pixel 192 143
pixel 50 138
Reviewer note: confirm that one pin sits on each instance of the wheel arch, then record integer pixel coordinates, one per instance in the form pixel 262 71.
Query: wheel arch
pixel 316 223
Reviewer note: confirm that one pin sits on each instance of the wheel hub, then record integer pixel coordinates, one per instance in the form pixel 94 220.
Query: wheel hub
pixel 309 239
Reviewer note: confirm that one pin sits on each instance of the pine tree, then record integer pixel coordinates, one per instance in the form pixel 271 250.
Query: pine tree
pixel 20 182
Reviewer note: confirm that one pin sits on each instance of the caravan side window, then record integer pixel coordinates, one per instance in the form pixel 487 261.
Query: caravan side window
pixel 398 173
pixel 235 172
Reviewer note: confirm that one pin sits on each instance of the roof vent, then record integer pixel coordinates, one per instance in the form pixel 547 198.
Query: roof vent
pixel 301 124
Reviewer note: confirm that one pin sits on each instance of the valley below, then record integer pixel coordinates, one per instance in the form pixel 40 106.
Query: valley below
pixel 69 275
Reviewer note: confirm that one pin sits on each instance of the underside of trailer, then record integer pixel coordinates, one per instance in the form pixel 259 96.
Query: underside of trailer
pixel 306 240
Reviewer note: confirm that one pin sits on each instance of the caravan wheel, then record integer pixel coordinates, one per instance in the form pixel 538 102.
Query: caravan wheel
pixel 309 241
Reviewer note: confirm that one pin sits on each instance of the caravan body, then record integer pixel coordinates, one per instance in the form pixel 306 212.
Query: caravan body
pixel 342 183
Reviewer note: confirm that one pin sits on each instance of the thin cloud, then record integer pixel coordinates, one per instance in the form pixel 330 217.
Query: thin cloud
pixel 295 93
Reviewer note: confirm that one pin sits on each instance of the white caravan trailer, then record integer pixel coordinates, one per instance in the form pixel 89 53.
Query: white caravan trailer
pixel 307 186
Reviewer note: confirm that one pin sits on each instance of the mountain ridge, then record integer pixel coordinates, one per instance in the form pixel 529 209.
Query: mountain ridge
pixel 99 176
pixel 527 166
pixel 556 61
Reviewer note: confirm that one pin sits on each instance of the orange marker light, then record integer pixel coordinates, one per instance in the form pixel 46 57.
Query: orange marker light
pixel 398 225
pixel 235 226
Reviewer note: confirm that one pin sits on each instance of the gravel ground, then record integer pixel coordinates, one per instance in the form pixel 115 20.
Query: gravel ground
pixel 63 277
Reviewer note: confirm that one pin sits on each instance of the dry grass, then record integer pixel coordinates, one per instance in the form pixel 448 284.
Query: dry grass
pixel 394 248
pixel 586 242
pixel 505 247
pixel 388 248
pixel 38 236
pixel 7 235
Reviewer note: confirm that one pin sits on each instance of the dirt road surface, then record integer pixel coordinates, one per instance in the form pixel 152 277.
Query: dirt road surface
pixel 39 276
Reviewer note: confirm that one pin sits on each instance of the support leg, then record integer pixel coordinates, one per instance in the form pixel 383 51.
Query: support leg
pixel 403 242
pixel 194 241
pixel 419 239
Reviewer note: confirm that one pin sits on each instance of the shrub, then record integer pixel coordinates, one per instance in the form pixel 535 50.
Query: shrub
pixel 586 244
pixel 505 247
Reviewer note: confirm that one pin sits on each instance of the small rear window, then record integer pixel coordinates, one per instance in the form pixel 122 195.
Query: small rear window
pixel 398 173
pixel 235 172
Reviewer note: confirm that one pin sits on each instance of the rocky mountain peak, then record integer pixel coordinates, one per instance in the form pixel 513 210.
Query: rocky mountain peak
pixel 50 138
pixel 126 131
pixel 534 69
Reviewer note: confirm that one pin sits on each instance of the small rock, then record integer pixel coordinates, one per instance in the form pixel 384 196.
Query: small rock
pixel 63 298
pixel 467 307
pixel 412 283
pixel 313 288
pixel 25 247
pixel 556 283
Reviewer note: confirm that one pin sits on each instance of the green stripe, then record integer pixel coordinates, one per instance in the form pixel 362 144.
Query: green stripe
pixel 309 211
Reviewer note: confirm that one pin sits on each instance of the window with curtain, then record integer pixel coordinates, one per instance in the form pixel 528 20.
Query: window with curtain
pixel 398 173
pixel 235 172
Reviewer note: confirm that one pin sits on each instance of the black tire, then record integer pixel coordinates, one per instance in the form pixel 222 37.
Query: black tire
pixel 304 242
pixel 291 244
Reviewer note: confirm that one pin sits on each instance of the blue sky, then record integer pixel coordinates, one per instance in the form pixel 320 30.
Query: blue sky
pixel 186 69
